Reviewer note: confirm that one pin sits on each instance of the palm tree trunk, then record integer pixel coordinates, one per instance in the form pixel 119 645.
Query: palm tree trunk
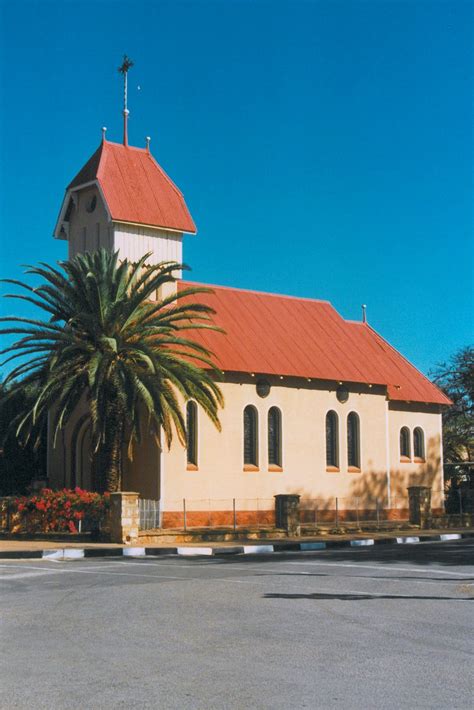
pixel 113 450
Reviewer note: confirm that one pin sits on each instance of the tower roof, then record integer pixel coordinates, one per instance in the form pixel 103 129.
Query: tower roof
pixel 135 188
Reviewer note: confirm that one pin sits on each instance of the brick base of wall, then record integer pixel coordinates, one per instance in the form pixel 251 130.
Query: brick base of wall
pixel 248 518
pixel 217 518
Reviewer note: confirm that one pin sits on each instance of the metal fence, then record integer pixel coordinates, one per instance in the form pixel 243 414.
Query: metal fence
pixel 149 513
pixel 230 513
pixel 259 513
pixel 337 511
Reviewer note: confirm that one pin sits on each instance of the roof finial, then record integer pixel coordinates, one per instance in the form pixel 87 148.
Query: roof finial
pixel 148 139
pixel 126 65
pixel 364 313
pixel 104 131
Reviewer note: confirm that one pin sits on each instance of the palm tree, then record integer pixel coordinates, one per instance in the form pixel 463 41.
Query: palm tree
pixel 109 344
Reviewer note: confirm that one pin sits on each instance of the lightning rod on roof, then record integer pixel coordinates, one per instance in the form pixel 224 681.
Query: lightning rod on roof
pixel 364 313
pixel 148 139
pixel 104 131
pixel 123 69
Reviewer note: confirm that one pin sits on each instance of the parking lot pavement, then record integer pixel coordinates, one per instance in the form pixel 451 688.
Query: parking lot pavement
pixel 364 628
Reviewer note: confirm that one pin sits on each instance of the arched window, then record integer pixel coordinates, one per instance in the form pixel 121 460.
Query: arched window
pixel 191 432
pixel 353 440
pixel 274 437
pixel 418 443
pixel 332 436
pixel 250 436
pixel 405 442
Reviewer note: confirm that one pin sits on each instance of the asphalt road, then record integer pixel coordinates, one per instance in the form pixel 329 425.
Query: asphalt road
pixel 365 628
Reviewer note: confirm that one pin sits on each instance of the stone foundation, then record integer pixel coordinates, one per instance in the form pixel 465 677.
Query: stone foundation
pixel 124 517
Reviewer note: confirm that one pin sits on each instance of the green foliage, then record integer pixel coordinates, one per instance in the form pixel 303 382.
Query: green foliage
pixel 19 464
pixel 456 379
pixel 108 343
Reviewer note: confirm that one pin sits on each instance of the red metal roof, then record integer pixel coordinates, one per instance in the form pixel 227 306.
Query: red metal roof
pixel 299 337
pixel 136 188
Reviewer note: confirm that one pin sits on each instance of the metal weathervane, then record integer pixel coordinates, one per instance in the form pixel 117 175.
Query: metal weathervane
pixel 123 69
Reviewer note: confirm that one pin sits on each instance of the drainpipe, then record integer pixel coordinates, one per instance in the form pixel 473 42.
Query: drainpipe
pixel 387 455
pixel 161 482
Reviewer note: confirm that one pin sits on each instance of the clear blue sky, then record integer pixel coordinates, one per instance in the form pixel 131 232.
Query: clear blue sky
pixel 324 148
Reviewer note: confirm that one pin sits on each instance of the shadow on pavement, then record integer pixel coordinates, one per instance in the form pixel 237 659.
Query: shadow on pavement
pixel 363 597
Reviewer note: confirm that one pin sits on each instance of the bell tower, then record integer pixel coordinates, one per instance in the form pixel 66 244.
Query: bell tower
pixel 122 200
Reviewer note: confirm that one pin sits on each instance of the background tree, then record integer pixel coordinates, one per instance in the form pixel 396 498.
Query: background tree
pixel 112 343
pixel 456 379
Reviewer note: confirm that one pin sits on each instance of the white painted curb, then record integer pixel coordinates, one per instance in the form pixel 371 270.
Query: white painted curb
pixel 257 549
pixel 362 543
pixel 450 536
pixel 134 552
pixel 194 550
pixel 312 546
pixel 73 553
pixel 407 540
pixel 52 554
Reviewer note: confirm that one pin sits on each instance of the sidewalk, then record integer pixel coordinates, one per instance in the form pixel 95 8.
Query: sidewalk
pixel 40 549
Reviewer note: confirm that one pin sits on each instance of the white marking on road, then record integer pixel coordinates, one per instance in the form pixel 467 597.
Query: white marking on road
pixel 98 570
pixel 23 575
pixel 407 540
pixel 134 551
pixel 381 567
pixel 362 543
pixel 194 551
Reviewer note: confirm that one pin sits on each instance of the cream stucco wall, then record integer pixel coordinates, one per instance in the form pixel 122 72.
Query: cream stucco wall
pixel 221 476
pixel 88 231
pixel 428 472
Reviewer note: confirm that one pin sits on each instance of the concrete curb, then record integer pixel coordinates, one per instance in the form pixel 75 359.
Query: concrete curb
pixel 75 553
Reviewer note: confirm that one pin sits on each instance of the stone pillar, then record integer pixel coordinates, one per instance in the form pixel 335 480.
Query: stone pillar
pixel 124 517
pixel 419 498
pixel 287 513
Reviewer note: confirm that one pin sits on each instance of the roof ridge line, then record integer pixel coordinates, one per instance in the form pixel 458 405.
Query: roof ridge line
pixel 393 349
pixel 128 147
pixel 263 293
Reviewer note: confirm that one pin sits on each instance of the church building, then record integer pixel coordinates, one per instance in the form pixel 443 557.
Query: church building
pixel 315 405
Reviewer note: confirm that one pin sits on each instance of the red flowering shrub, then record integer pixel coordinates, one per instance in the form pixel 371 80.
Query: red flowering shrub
pixel 59 511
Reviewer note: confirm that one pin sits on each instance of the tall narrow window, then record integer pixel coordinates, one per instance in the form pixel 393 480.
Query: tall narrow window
pixel 332 435
pixel 404 443
pixel 191 432
pixel 353 440
pixel 274 437
pixel 418 443
pixel 250 436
